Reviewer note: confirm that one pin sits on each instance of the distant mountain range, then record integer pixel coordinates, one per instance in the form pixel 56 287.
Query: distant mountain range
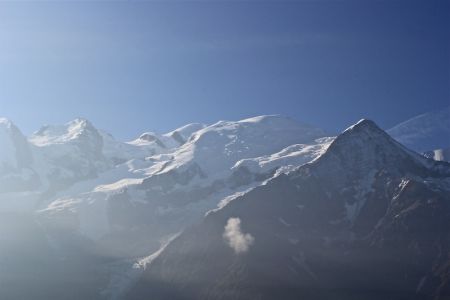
pixel 262 208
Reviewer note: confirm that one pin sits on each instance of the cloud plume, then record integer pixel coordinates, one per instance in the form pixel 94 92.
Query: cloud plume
pixel 237 240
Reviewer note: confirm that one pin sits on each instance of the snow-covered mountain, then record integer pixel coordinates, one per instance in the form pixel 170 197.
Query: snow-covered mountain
pixel 169 140
pixel 425 132
pixel 162 194
pixel 99 199
pixel 217 147
pixel 69 152
pixel 15 152
pixel 16 160
pixel 107 210
pixel 368 219
pixel 56 157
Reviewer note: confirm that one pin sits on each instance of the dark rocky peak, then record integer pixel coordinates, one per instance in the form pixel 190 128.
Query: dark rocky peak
pixel 364 150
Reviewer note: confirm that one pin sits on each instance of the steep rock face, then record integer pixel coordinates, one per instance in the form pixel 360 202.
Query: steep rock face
pixel 367 220
pixel 424 132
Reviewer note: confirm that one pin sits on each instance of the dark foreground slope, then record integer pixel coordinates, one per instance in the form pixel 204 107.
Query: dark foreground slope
pixel 367 220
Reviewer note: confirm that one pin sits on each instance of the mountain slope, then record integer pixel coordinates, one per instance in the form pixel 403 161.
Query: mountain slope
pixel 368 219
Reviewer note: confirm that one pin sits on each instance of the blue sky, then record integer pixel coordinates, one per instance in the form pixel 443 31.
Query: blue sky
pixel 132 66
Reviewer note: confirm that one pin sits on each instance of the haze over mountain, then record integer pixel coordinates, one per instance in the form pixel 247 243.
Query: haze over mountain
pixel 190 150
pixel 261 207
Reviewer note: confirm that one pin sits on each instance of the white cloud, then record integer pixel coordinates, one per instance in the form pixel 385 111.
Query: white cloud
pixel 237 240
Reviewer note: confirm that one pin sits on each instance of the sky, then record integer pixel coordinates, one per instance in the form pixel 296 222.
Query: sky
pixel 135 66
